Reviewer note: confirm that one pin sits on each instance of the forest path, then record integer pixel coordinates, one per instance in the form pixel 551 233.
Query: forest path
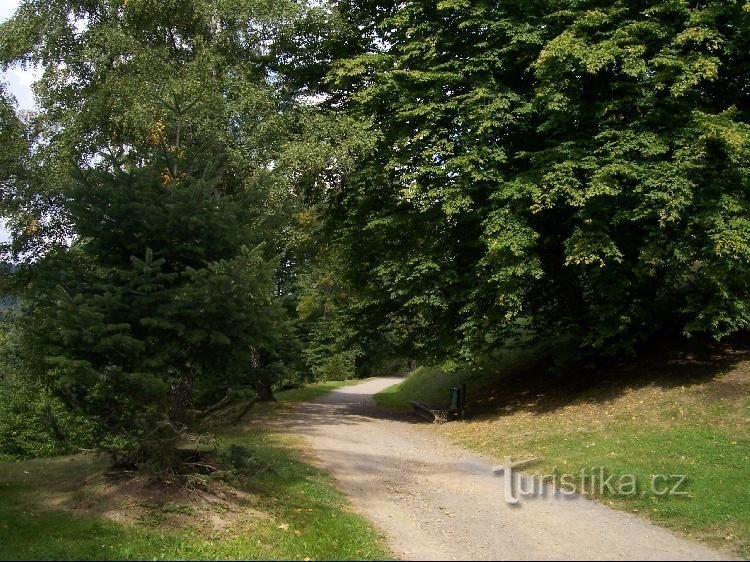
pixel 435 501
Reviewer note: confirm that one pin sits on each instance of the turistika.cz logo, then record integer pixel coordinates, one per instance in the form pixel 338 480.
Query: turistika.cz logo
pixel 592 481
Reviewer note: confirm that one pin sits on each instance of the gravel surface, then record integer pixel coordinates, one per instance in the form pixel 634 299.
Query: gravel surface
pixel 435 501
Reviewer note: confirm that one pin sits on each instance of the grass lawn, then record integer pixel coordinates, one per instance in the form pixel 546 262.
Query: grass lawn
pixel 69 508
pixel 687 416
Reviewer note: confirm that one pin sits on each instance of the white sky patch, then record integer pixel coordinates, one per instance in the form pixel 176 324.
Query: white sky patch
pixel 7 7
pixel 19 80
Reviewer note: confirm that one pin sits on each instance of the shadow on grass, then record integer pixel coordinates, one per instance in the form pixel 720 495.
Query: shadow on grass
pixel 534 388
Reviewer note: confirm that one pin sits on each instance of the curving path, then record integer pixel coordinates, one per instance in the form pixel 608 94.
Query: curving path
pixel 435 501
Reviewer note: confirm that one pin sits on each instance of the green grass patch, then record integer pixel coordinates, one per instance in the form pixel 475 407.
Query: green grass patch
pixel 432 384
pixel 669 418
pixel 428 384
pixel 283 509
pixel 714 497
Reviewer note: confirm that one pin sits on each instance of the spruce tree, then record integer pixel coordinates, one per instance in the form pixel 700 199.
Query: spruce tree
pixel 164 303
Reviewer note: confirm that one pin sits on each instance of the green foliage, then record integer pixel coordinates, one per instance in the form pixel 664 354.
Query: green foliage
pixel 24 411
pixel 138 344
pixel 575 168
pixel 330 348
pixel 34 422
pixel 156 220
pixel 181 86
pixel 12 138
pixel 336 367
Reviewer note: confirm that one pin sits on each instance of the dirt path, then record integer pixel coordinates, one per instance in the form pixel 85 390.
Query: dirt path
pixel 436 501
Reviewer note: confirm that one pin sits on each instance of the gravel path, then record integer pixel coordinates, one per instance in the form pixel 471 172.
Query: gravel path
pixel 436 501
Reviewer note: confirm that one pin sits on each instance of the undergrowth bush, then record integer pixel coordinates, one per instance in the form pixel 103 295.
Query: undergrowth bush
pixel 30 415
pixel 33 421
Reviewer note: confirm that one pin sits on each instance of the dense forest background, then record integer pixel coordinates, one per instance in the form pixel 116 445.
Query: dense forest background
pixel 217 198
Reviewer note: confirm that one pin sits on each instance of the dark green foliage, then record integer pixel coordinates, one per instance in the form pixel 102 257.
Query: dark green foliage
pixel 573 169
pixel 141 340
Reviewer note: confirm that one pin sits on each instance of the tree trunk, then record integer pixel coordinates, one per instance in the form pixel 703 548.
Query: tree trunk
pixel 182 400
pixel 259 379
pixel 262 386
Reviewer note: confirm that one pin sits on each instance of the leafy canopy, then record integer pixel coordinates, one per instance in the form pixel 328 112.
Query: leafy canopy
pixel 576 170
